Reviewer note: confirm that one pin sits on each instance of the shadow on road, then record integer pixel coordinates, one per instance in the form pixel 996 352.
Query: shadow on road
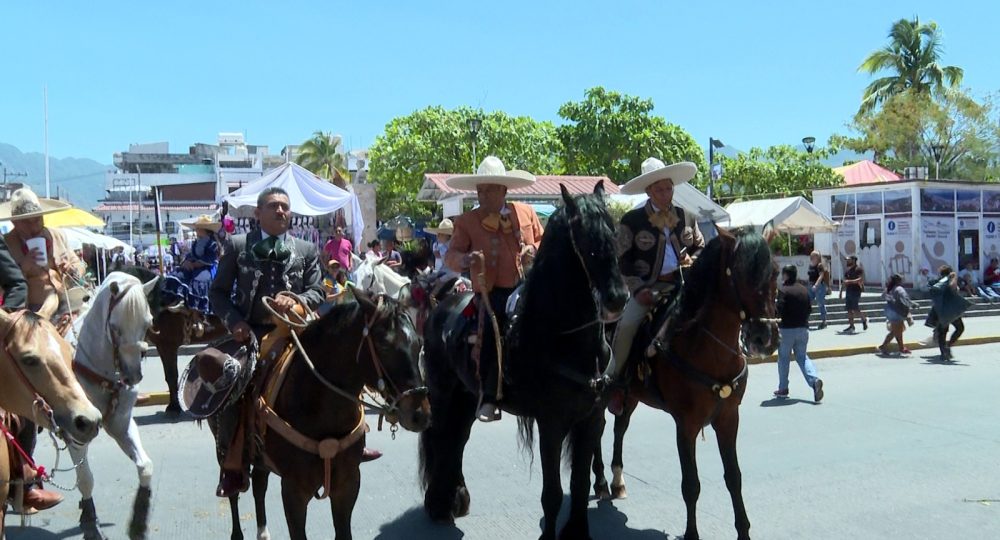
pixel 414 524
pixel 16 532
pixel 784 402
pixel 936 360
pixel 607 521
pixel 162 417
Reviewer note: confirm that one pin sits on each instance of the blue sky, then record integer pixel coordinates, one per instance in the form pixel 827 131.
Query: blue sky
pixel 749 73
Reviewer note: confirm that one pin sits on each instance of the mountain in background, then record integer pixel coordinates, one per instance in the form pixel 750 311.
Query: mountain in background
pixel 79 181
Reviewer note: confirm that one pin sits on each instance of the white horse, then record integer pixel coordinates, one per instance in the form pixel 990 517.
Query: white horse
pixel 373 276
pixel 108 363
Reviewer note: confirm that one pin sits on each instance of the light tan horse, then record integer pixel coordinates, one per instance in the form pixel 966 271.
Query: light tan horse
pixel 37 383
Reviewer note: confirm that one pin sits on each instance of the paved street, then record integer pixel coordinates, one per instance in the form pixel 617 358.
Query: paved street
pixel 900 448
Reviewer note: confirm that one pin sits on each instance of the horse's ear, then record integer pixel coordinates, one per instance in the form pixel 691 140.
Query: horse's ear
pixel 363 299
pixel 150 286
pixel 114 288
pixel 567 198
pixel 599 188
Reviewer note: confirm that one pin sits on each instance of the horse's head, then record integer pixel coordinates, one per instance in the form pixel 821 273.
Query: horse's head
pixel 37 381
pixel 592 237
pixel 748 278
pixel 115 327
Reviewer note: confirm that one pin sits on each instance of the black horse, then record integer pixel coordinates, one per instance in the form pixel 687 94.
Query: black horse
pixel 554 351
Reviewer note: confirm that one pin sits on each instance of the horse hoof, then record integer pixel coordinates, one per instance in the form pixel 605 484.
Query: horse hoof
pixel 462 502
pixel 88 521
pixel 173 409
pixel 139 525
pixel 602 492
pixel 619 492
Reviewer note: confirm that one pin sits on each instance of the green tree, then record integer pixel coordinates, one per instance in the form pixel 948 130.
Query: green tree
pixel 912 58
pixel 609 133
pixel 777 171
pixel 438 140
pixel 322 154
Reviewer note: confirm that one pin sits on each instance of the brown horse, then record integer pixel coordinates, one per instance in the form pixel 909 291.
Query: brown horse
pixel 315 424
pixel 37 382
pixel 697 371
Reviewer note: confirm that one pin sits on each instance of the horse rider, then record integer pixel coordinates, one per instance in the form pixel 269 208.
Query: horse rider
pixel 493 242
pixel 32 277
pixel 199 265
pixel 654 243
pixel 261 263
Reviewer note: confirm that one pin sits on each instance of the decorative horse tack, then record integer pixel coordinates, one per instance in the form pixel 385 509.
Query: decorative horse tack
pixel 112 386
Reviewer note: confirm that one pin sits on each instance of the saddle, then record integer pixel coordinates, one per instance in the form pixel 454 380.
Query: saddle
pixel 654 328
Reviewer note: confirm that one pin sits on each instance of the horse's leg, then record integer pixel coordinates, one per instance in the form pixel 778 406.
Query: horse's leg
pixel 444 442
pixel 295 500
pixel 234 513
pixel 690 485
pixel 583 437
pixel 89 524
pixel 259 478
pixel 550 439
pixel 168 356
pixel 130 442
pixel 601 490
pixel 346 483
pixel 726 426
pixel 618 490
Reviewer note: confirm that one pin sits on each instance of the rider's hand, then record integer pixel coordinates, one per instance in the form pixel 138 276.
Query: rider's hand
pixel 686 260
pixel 470 257
pixel 282 304
pixel 242 332
pixel 645 297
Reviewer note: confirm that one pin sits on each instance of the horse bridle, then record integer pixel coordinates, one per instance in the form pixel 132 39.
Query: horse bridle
pixel 598 320
pixel 39 402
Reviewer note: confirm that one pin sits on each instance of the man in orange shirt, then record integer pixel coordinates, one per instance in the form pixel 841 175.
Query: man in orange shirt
pixel 493 243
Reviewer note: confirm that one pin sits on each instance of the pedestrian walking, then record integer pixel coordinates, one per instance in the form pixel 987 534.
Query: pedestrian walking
pixel 897 314
pixel 949 306
pixel 819 285
pixel 794 309
pixel 854 282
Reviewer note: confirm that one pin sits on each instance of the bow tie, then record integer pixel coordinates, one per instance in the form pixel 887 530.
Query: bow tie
pixel 664 219
pixel 496 222
pixel 271 249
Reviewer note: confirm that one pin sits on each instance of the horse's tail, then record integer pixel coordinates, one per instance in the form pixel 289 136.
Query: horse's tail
pixel 526 435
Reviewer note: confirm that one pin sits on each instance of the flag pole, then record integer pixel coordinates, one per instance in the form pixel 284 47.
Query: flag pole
pixel 159 246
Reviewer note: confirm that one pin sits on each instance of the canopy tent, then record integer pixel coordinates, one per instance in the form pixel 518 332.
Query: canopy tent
pixel 690 199
pixel 309 196
pixel 794 215
pixel 77 236
pixel 72 217
pixel 866 172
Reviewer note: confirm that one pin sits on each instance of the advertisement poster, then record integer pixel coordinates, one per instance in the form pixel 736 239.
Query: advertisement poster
pixel 842 207
pixel 991 202
pixel 869 203
pixel 844 244
pixel 899 247
pixel 939 246
pixel 870 248
pixel 967 200
pixel 937 200
pixel 991 240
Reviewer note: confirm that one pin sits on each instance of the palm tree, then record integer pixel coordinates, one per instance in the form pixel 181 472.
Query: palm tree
pixel 912 54
pixel 322 155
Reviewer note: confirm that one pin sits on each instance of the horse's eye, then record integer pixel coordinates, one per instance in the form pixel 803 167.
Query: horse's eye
pixel 30 360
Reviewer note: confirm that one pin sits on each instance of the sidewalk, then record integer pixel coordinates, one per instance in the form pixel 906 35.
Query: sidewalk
pixel 831 342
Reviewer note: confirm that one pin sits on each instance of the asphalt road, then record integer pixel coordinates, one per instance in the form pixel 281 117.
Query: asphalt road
pixel 899 448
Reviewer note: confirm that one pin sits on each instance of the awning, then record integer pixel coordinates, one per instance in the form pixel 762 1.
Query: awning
pixel 793 215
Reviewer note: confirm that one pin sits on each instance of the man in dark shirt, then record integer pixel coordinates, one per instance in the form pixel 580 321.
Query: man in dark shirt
pixel 794 308
pixel 854 283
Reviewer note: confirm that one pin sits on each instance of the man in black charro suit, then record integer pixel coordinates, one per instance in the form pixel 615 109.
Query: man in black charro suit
pixel 654 242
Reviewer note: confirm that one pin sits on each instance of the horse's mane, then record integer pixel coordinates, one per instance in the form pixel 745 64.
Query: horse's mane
pixel 752 262
pixel 338 317
pixel 555 251
pixel 146 275
pixel 133 305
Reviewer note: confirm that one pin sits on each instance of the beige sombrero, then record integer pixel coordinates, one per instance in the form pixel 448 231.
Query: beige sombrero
pixel 653 170
pixel 204 221
pixel 24 204
pixel 491 171
pixel 445 227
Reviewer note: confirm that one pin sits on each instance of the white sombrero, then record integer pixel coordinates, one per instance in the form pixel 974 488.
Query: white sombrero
pixel 204 221
pixel 491 171
pixel 24 204
pixel 653 170
pixel 445 227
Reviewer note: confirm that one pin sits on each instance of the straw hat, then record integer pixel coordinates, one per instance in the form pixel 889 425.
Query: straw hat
pixel 445 227
pixel 653 170
pixel 24 204
pixel 491 171
pixel 204 221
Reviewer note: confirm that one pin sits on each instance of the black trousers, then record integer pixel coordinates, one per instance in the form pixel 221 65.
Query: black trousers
pixel 944 344
pixel 488 373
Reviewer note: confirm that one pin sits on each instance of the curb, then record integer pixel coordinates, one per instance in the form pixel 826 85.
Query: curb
pixel 870 349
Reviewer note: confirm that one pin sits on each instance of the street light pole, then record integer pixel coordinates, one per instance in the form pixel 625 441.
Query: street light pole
pixel 474 124
pixel 938 151
pixel 810 143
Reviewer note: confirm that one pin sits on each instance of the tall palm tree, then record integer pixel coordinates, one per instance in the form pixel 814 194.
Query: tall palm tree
pixel 913 53
pixel 322 155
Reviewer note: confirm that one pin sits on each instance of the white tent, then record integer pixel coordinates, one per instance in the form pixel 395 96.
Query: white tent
pixel 77 236
pixel 690 199
pixel 793 215
pixel 309 195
